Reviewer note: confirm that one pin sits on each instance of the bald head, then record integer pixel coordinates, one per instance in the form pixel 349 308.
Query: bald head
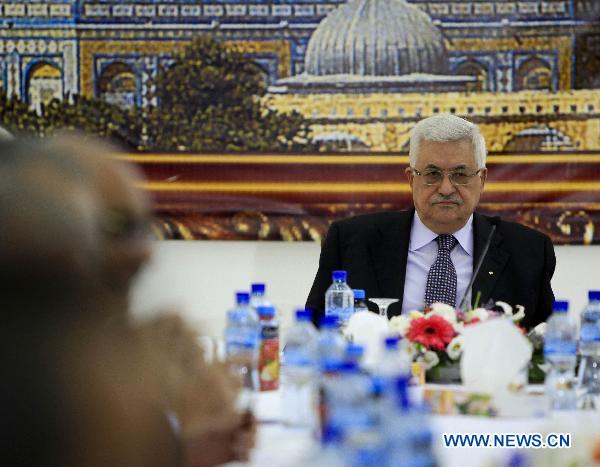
pixel 49 245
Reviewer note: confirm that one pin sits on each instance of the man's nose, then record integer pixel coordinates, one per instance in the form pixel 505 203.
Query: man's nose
pixel 446 187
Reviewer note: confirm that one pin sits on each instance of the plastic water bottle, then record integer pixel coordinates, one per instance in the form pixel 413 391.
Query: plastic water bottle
pixel 560 352
pixel 394 363
pixel 395 360
pixel 299 372
pixel 332 345
pixel 407 430
pixel 354 353
pixel 589 347
pixel 241 341
pixel 258 296
pixel 339 298
pixel 360 301
pixel 351 413
pixel 268 357
pixel 332 453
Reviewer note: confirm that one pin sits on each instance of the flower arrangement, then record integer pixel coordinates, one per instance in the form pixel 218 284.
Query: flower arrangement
pixel 434 335
pixel 538 367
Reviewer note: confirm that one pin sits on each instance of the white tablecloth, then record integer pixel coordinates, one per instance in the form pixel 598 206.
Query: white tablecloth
pixel 279 446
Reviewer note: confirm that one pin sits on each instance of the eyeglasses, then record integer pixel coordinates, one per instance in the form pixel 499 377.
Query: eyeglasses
pixel 435 176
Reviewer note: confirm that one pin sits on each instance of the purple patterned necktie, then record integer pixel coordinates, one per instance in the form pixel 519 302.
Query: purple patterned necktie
pixel 441 280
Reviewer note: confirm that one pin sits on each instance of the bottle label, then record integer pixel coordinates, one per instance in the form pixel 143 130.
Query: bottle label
pixel 344 314
pixel 268 364
pixel 268 331
pixel 339 303
pixel 294 358
pixel 558 347
pixel 249 340
pixel 590 332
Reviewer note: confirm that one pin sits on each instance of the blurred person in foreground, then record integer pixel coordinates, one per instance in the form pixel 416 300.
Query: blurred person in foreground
pixel 69 390
pixel 124 218
pixel 198 398
pixel 428 253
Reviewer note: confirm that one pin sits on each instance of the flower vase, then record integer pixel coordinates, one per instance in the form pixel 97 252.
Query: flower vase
pixel 444 373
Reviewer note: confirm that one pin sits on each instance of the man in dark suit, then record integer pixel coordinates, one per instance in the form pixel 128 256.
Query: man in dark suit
pixel 427 254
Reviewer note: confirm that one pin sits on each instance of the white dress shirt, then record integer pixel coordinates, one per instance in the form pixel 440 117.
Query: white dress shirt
pixel 422 252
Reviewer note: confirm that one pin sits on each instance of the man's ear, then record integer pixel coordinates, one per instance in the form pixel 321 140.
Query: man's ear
pixel 409 176
pixel 483 175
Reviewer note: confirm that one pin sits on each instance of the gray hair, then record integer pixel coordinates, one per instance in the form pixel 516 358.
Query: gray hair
pixel 446 127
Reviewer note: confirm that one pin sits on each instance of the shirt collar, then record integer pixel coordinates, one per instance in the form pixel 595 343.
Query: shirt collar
pixel 421 235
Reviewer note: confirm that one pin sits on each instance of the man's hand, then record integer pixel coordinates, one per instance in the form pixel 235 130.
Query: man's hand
pixel 212 442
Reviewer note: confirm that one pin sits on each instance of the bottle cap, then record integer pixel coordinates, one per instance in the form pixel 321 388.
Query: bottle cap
pixel 391 342
pixel 377 386
pixel 594 295
pixel 258 288
pixel 349 367
pixel 331 434
pixel 242 298
pixel 329 322
pixel 354 351
pixel 266 310
pixel 304 314
pixel 561 306
pixel 401 387
pixel 517 460
pixel 358 294
pixel 339 276
pixel 331 365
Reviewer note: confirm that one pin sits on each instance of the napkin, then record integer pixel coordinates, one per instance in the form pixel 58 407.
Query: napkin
pixel 494 351
pixel 369 330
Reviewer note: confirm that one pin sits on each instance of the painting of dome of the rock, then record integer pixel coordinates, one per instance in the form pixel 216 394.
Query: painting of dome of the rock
pixel 277 116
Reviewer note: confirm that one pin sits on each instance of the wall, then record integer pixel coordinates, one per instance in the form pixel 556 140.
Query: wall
pixel 199 278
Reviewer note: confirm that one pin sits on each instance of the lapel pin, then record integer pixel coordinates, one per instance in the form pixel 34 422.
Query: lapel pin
pixel 491 273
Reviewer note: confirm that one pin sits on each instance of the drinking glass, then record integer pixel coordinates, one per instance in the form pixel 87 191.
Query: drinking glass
pixel 383 304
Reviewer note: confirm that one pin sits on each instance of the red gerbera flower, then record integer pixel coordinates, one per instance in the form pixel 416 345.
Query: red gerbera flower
pixel 434 332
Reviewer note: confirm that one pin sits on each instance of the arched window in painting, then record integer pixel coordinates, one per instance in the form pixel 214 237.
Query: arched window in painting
pixel 474 68
pixel 539 138
pixel 338 141
pixel 534 74
pixel 118 84
pixel 44 83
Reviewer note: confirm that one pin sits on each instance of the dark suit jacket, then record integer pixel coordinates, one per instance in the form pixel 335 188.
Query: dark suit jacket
pixel 373 248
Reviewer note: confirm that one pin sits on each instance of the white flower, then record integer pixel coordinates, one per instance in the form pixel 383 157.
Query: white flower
pixel 508 311
pixel 540 329
pixel 429 359
pixel 520 314
pixel 480 313
pixel 414 314
pixel 506 308
pixel 454 348
pixel 399 324
pixel 411 350
pixel 445 311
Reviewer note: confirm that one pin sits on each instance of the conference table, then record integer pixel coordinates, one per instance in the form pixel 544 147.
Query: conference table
pixel 279 445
